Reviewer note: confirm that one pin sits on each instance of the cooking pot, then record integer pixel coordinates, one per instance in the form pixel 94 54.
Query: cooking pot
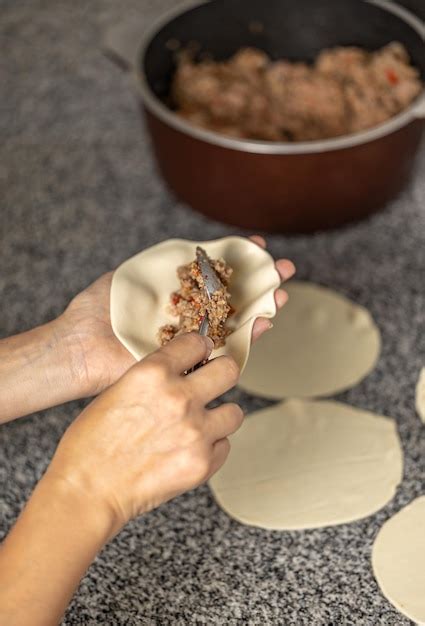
pixel 275 186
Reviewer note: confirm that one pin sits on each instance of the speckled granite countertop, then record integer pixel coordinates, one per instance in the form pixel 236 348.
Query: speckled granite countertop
pixel 78 195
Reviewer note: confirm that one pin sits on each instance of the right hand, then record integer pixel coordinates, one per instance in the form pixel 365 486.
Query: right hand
pixel 149 437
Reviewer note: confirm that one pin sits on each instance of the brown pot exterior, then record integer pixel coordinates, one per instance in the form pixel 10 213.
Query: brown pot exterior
pixel 292 193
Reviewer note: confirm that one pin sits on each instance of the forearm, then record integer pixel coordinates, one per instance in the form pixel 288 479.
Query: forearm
pixel 38 369
pixel 48 551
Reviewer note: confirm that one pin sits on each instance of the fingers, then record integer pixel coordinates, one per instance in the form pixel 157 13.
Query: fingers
pixel 261 325
pixel 183 352
pixel 223 421
pixel 214 378
pixel 260 241
pixel 220 453
pixel 285 268
pixel 281 298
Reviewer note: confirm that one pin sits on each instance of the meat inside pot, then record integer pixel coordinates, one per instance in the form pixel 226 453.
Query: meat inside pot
pixel 346 90
pixel 190 304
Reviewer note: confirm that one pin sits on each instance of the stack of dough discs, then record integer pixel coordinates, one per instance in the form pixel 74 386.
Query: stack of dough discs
pixel 398 560
pixel 307 464
pixel 321 343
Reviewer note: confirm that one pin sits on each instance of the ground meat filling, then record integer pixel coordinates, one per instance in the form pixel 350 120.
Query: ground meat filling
pixel 346 90
pixel 190 304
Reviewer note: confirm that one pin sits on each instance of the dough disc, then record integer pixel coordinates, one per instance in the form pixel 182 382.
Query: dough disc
pixel 321 343
pixel 308 464
pixel 398 560
pixel 420 395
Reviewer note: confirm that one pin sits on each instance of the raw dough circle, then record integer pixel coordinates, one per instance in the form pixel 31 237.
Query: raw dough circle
pixel 308 464
pixel 141 289
pixel 420 395
pixel 398 560
pixel 321 343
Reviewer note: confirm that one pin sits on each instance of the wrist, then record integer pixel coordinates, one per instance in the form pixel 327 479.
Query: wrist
pixel 98 520
pixel 63 361
pixel 71 350
pixel 38 369
pixel 82 346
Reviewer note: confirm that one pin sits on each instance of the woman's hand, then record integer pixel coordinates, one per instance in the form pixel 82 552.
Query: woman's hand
pixel 150 437
pixel 98 356
pixel 146 439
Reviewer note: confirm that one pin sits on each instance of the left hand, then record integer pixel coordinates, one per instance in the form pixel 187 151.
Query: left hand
pixel 98 355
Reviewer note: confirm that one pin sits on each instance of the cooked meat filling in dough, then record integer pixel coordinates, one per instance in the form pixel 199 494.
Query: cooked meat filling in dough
pixel 190 304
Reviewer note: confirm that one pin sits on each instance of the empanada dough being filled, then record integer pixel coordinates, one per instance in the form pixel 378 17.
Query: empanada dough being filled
pixel 309 464
pixel 141 288
pixel 398 560
pixel 321 343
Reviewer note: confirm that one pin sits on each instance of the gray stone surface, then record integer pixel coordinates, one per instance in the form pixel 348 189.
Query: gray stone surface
pixel 78 195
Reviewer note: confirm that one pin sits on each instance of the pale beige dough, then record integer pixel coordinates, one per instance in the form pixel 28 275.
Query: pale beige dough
pixel 398 560
pixel 420 395
pixel 141 289
pixel 307 464
pixel 321 343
